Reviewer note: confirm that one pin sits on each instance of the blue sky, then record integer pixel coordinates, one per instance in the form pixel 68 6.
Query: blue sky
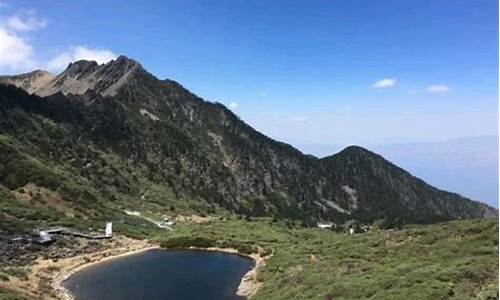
pixel 311 73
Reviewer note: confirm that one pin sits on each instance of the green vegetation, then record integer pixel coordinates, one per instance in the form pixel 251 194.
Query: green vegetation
pixel 6 295
pixel 104 156
pixel 185 242
pixel 202 242
pixel 18 272
pixel 453 260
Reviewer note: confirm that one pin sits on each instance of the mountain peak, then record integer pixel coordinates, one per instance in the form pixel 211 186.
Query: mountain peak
pixel 353 150
pixel 122 64
pixel 78 78
pixel 79 66
pixel 122 59
pixel 105 79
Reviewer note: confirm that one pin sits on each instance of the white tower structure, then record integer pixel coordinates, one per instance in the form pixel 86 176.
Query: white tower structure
pixel 109 229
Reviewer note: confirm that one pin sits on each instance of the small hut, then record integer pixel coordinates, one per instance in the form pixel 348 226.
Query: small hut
pixel 43 238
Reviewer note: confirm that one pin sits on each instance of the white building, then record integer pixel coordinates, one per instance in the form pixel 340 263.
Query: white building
pixel 108 232
pixel 325 225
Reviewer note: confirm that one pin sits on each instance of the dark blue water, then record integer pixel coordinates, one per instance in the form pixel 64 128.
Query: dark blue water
pixel 162 275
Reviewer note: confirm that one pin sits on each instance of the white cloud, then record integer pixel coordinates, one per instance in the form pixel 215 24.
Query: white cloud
pixel 19 24
pixel 80 53
pixel 16 54
pixel 99 55
pixel 385 83
pixel 437 88
pixel 233 105
pixel 59 62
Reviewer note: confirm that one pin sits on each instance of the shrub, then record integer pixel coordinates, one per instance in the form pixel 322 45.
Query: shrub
pixel 186 242
pixel 17 272
pixel 240 246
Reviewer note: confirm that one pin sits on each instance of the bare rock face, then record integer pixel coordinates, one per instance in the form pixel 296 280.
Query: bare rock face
pixel 78 78
pixel 30 82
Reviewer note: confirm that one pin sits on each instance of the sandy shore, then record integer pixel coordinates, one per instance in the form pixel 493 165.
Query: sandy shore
pixel 46 276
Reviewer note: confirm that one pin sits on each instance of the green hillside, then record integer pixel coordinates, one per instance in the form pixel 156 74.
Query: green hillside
pixel 452 260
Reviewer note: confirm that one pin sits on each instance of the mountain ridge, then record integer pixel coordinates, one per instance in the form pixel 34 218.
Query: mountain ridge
pixel 78 78
pixel 155 135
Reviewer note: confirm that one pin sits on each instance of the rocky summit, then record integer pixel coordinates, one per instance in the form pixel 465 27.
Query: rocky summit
pixel 95 140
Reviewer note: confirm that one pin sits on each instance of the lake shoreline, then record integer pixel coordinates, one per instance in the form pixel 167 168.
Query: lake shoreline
pixel 65 294
pixel 248 286
pixel 43 276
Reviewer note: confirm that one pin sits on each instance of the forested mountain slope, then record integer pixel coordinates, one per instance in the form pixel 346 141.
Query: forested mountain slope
pixel 97 139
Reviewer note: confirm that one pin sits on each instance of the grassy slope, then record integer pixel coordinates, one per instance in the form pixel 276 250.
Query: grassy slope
pixel 455 260
pixel 4 295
